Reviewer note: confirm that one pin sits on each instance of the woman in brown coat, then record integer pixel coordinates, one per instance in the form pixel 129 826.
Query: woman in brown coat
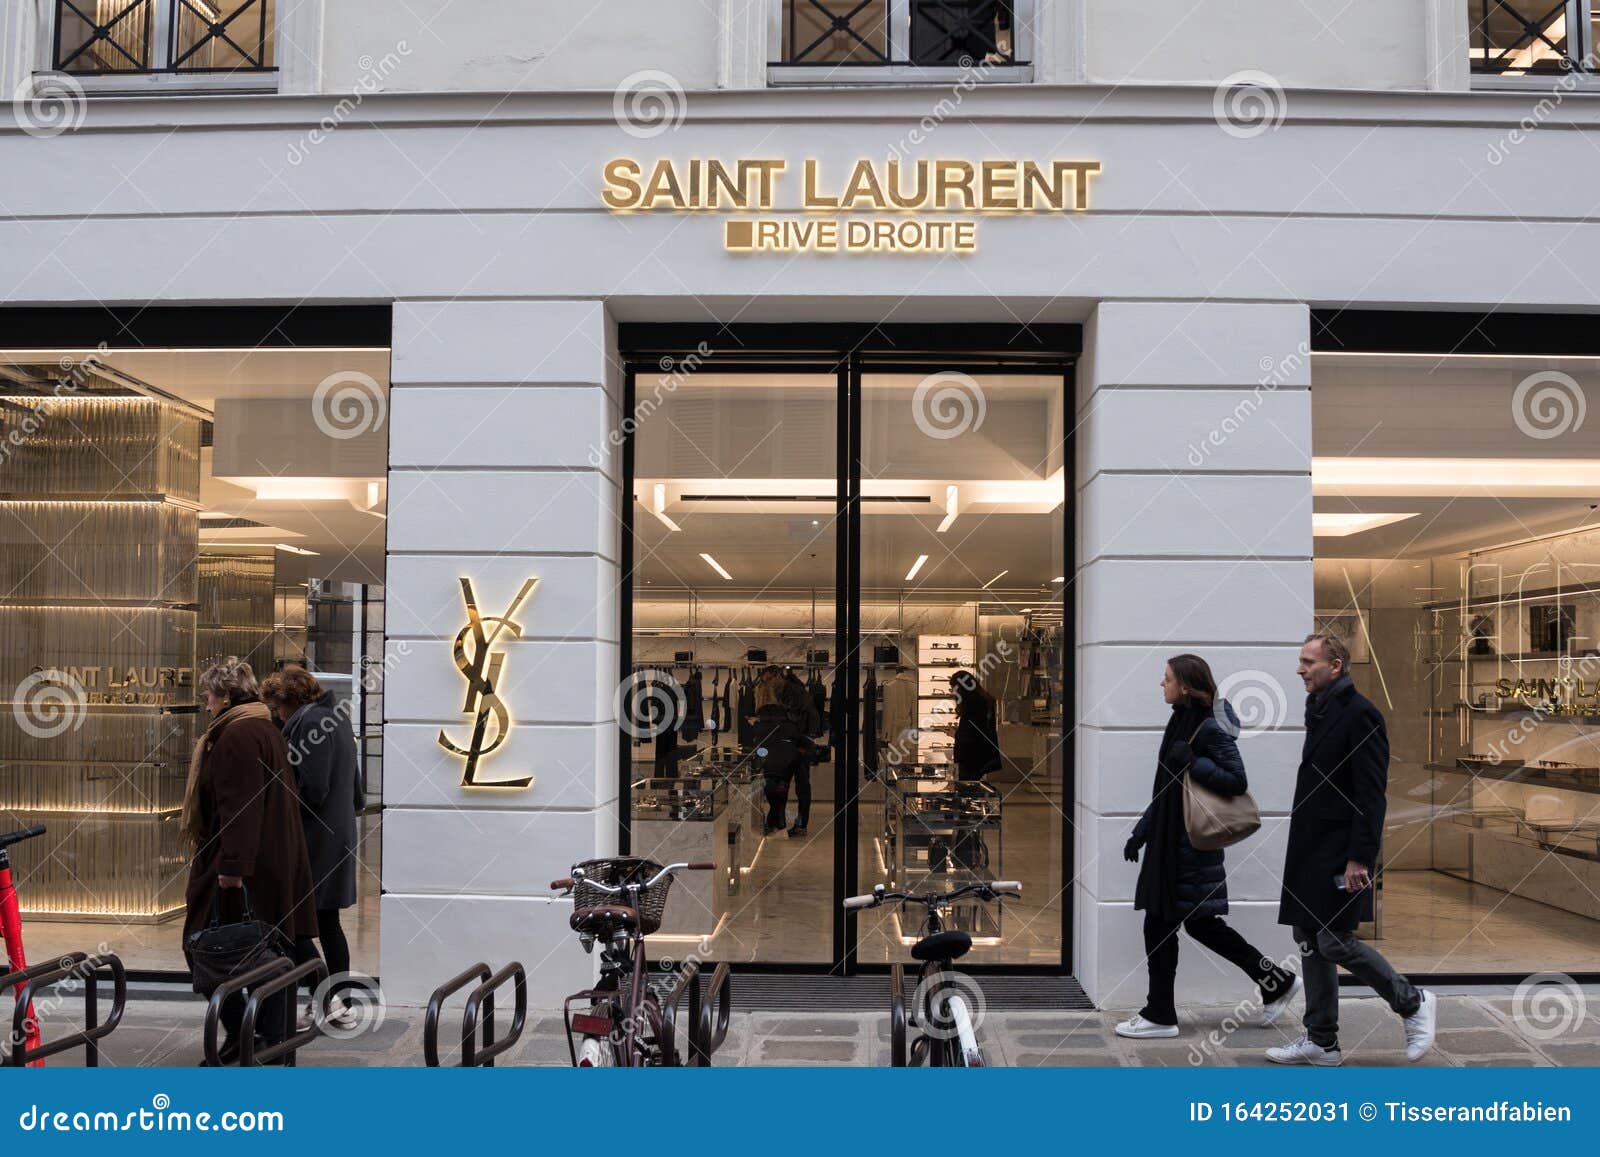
pixel 241 813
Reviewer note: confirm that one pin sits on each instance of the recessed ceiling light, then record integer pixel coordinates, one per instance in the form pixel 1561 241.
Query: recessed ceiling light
pixel 951 499
pixel 1343 524
pixel 716 566
pixel 915 567
pixel 659 507
pixel 996 579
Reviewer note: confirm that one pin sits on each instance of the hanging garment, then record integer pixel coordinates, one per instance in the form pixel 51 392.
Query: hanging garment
pixel 714 712
pixel 747 710
pixel 819 694
pixel 899 696
pixel 694 714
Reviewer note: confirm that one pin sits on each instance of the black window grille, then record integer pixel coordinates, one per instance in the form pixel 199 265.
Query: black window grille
pixel 114 37
pixel 929 33
pixel 1530 37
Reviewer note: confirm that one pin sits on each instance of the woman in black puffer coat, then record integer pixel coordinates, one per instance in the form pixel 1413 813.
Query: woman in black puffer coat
pixel 1180 886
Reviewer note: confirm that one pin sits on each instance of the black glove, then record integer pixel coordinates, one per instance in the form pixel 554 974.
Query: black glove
pixel 1180 755
pixel 1130 850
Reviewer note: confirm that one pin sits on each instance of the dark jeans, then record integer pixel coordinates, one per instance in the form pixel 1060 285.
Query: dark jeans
pixel 1320 958
pixel 1161 954
pixel 801 774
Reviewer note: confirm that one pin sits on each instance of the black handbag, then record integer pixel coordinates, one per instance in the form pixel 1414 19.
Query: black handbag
pixel 219 952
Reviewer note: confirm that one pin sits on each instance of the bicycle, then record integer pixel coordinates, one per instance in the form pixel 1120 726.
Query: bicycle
pixel 948 1037
pixel 11 926
pixel 616 903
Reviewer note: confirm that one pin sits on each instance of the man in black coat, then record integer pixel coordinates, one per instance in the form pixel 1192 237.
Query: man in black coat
pixel 1335 833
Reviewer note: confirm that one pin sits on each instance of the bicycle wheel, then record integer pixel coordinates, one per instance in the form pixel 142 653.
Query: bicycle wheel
pixel 596 1052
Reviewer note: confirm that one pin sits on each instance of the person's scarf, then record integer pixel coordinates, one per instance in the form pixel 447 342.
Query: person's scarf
pixel 191 828
pixel 1318 702
pixel 1157 890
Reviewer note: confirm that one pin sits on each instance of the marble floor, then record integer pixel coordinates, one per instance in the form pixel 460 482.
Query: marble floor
pixel 158 948
pixel 1437 923
pixel 783 912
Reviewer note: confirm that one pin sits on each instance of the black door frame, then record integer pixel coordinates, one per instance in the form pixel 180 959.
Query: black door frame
pixel 846 351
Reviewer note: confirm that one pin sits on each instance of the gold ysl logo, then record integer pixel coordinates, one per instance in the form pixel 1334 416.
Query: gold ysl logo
pixel 482 669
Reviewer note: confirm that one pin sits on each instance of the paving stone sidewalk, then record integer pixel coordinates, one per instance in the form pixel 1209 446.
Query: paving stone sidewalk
pixel 1474 1029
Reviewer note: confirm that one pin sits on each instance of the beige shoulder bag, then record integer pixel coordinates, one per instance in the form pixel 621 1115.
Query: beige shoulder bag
pixel 1216 821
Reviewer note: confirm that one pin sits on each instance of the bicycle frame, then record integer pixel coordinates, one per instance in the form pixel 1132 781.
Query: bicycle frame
pixel 16 955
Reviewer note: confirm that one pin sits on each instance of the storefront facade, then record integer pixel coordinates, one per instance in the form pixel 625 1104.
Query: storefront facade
pixel 1180 283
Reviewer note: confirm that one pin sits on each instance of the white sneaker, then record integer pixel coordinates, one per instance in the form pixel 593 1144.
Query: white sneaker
pixel 1420 1027
pixel 1137 1028
pixel 1305 1052
pixel 1271 1013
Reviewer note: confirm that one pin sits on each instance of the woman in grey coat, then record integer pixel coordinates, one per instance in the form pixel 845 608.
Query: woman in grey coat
pixel 322 753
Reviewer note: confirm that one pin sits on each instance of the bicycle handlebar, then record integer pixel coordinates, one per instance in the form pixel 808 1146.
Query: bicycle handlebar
pixel 990 890
pixel 618 889
pixel 17 837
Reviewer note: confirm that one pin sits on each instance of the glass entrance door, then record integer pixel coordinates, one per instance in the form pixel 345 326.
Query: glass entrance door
pixel 816 548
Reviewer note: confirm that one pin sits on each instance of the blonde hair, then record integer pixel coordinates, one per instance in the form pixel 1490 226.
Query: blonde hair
pixel 766 695
pixel 231 679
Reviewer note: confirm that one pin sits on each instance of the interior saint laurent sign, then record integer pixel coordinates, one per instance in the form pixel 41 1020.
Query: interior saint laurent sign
pixel 477 659
pixel 889 206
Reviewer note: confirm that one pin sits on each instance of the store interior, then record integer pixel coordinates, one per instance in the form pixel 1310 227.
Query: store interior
pixel 1458 549
pixel 735 532
pixel 159 510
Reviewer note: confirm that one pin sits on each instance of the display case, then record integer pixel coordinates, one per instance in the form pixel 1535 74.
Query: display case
pixel 685 819
pixel 942 833
pixel 939 657
pixel 1516 758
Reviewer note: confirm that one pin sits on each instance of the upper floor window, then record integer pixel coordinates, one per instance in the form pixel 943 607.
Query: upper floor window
pixel 121 37
pixel 898 39
pixel 1533 38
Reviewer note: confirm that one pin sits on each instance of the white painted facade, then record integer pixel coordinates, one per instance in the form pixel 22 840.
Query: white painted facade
pixel 477 215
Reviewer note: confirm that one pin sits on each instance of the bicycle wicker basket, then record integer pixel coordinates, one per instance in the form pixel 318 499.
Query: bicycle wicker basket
pixel 616 871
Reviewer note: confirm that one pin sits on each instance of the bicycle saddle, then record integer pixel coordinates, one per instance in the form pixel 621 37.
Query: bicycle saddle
pixel 603 919
pixel 942 946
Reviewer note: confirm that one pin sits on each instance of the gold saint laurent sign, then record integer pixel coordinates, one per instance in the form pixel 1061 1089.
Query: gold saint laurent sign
pixel 910 206
pixel 482 667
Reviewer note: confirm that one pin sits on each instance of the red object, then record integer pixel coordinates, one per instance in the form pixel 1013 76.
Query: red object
pixel 11 930
pixel 586 1024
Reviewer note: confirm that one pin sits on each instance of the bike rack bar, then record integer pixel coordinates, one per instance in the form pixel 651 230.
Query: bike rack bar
pixel 711 1030
pixel 479 973
pixel 897 1016
pixel 483 996
pixel 688 981
pixel 72 965
pixel 292 1041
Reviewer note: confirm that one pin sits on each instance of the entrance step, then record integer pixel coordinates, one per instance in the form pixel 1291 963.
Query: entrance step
pixel 788 992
